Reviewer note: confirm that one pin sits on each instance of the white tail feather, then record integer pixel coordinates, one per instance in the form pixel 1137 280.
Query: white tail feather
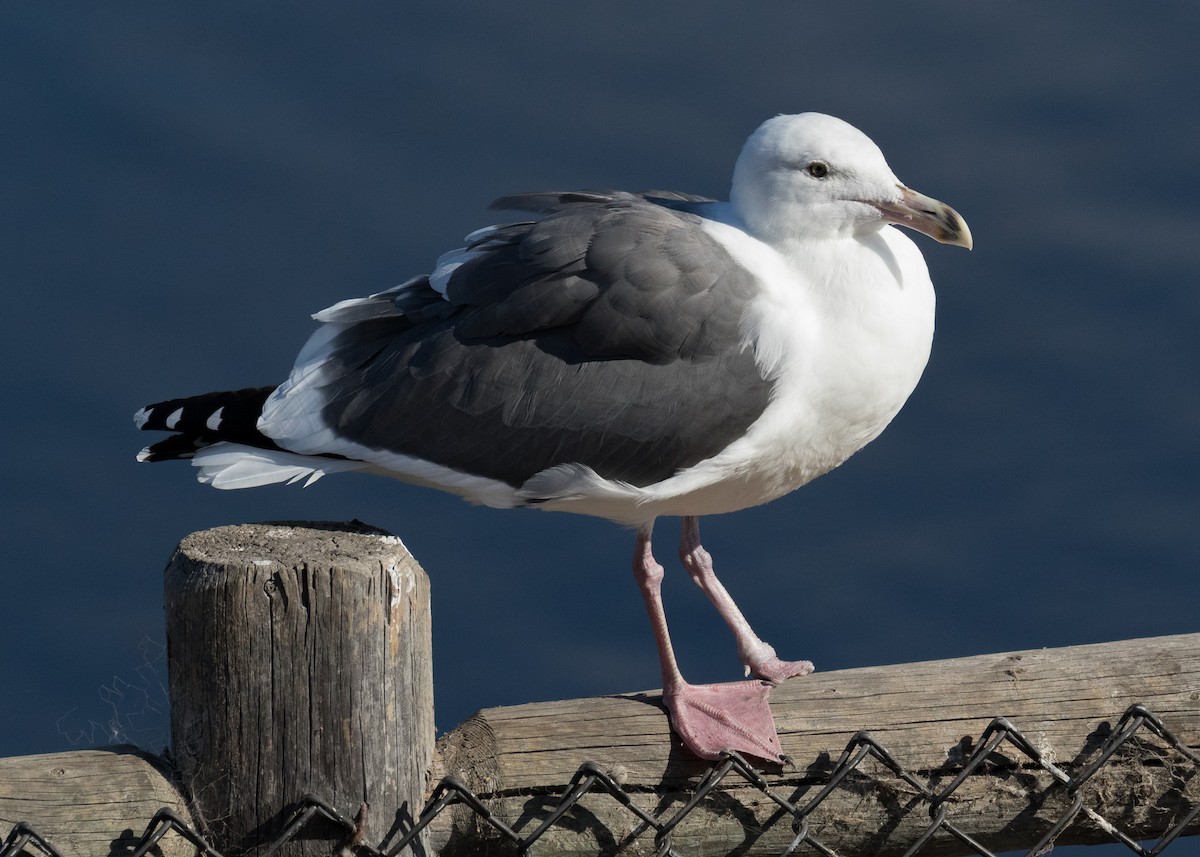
pixel 230 466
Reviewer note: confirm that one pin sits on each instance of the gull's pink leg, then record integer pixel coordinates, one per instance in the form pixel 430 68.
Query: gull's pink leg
pixel 649 575
pixel 758 657
pixel 710 719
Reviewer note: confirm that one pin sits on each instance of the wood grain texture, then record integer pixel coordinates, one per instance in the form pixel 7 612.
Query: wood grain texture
pixel 927 714
pixel 300 661
pixel 89 803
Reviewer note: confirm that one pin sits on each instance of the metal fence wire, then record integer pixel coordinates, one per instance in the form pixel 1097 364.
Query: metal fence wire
pixel 24 840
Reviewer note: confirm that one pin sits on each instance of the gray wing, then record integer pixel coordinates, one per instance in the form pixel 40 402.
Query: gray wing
pixel 606 334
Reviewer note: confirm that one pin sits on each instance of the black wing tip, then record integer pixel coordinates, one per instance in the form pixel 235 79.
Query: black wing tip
pixel 200 421
pixel 177 447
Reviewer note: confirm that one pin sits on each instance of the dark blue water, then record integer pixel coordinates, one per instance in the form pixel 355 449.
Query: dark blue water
pixel 181 187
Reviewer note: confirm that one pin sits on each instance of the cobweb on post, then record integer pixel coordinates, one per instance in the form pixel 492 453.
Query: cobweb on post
pixel 132 708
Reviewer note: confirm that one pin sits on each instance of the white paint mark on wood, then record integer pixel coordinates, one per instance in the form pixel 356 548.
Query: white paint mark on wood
pixel 401 586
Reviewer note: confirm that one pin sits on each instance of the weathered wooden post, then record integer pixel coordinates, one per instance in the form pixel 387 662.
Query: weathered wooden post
pixel 300 662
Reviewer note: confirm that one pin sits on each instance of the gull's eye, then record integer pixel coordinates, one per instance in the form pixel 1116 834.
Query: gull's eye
pixel 817 169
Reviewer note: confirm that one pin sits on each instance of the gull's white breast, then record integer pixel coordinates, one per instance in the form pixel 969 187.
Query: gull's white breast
pixel 843 329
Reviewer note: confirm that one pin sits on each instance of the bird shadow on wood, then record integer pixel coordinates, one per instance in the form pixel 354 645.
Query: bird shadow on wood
pixel 353 526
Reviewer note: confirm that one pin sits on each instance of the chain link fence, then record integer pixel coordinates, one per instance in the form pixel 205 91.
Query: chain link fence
pixel 24 841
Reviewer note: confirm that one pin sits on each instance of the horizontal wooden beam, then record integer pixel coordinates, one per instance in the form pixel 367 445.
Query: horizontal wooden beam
pixel 88 803
pixel 927 715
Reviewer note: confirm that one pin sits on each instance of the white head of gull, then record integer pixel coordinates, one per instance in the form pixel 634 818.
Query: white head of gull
pixel 624 355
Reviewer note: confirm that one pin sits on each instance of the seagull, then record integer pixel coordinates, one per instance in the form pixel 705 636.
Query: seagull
pixel 627 356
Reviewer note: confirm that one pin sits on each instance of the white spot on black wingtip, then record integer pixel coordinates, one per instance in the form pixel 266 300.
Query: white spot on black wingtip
pixel 144 455
pixel 141 417
pixel 213 423
pixel 173 418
